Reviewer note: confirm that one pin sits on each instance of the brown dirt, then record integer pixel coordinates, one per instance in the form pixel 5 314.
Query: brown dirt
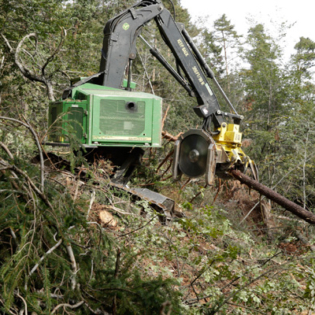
pixel 240 200
pixel 293 248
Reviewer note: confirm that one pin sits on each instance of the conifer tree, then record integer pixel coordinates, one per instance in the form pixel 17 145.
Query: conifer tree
pixel 224 34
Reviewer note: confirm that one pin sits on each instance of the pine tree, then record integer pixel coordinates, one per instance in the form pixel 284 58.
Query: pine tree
pixel 225 35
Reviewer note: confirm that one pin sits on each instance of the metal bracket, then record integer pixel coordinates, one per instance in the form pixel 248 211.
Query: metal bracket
pixel 133 13
pixel 236 118
pixel 180 26
pixel 114 37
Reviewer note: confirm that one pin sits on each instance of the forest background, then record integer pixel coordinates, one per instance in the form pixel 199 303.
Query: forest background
pixel 56 259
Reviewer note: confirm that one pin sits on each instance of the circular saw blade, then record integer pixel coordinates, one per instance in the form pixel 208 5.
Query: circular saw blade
pixel 193 155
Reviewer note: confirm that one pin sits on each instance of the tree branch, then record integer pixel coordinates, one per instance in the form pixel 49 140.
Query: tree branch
pixel 5 148
pixel 26 72
pixel 91 204
pixel 17 170
pixel 67 305
pixel 52 56
pixel 7 42
pixel 73 264
pixel 42 258
pixel 146 73
pixel 25 310
pixel 28 126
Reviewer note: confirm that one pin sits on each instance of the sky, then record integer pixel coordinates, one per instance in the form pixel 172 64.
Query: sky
pixel 301 13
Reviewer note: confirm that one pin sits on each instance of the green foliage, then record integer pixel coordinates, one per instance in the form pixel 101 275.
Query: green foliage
pixel 265 81
pixel 199 264
pixel 37 232
pixel 305 54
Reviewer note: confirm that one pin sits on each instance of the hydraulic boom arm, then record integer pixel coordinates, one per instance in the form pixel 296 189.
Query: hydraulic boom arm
pixel 197 152
pixel 119 50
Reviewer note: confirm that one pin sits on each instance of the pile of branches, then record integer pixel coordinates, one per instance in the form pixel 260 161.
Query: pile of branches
pixel 53 259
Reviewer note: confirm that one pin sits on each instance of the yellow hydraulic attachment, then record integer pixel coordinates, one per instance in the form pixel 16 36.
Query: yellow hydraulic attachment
pixel 197 153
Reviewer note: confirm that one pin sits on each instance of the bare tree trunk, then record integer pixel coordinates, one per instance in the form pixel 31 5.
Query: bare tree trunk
pixel 304 167
pixel 226 63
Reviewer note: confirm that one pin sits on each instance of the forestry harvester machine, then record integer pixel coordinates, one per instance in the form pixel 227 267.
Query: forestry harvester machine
pixel 118 123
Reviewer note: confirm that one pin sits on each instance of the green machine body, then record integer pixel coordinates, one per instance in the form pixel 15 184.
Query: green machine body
pixel 102 116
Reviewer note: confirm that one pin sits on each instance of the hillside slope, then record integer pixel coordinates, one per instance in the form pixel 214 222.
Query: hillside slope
pixel 82 247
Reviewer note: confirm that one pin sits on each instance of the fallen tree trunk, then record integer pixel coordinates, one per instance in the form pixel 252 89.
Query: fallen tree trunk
pixel 277 198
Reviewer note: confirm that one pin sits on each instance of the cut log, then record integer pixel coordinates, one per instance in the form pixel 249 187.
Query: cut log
pixel 107 218
pixel 277 198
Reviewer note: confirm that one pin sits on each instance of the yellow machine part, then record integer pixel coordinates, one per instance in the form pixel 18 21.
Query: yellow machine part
pixel 229 134
pixel 228 145
pixel 197 153
pixel 229 139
